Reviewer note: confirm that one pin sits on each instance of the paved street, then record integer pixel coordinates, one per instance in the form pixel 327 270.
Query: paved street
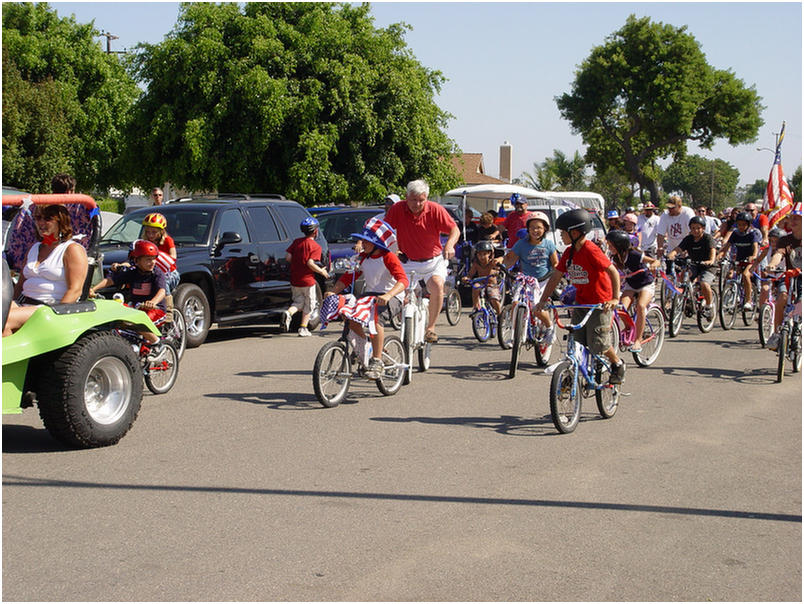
pixel 238 485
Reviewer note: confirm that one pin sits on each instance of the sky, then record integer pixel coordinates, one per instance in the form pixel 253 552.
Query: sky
pixel 506 62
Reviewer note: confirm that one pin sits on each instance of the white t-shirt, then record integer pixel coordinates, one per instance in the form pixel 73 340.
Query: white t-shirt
pixel 647 230
pixel 46 281
pixel 675 228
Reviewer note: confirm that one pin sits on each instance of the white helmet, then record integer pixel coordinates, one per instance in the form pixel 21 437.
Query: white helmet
pixel 539 216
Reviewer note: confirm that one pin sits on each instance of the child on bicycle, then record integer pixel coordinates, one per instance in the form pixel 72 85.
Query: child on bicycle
pixel 765 254
pixel 788 248
pixel 701 249
pixel 302 255
pixel 146 284
pixel 639 286
pixel 596 281
pixel 745 239
pixel 537 256
pixel 485 264
pixel 384 278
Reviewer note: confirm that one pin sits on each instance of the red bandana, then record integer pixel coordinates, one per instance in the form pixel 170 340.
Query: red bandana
pixel 49 239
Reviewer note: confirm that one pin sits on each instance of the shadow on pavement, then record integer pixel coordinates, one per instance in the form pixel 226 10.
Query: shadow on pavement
pixel 27 439
pixel 509 425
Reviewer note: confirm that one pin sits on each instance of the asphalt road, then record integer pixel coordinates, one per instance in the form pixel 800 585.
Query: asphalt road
pixel 238 485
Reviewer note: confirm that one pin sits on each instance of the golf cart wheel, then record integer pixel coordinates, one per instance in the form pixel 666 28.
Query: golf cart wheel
pixel 93 391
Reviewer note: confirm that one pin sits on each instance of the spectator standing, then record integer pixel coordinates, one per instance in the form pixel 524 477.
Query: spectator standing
pixel 156 196
pixel 712 223
pixel 516 220
pixel 647 223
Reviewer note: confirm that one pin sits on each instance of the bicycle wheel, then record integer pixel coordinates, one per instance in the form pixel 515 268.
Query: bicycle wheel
pixel 782 352
pixel 652 337
pixel 607 397
pixel 795 348
pixel 676 317
pixel 175 332
pixel 424 356
pixel 765 325
pixel 504 330
pixel 480 325
pixel 161 368
pixel 453 307
pixel 729 303
pixel 332 374
pixel 750 315
pixel 393 360
pixel 666 296
pixel 516 340
pixel 543 349
pixel 706 318
pixel 565 409
pixel 407 344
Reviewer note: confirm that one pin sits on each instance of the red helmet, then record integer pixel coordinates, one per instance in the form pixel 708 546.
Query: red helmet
pixel 155 220
pixel 144 248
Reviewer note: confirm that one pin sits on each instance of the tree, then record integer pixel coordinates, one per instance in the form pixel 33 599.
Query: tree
pixel 795 185
pixel 558 173
pixel 64 100
pixel 614 186
pixel 648 90
pixel 309 100
pixel 708 182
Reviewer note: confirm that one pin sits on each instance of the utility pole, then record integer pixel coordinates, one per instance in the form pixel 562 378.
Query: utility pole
pixel 109 37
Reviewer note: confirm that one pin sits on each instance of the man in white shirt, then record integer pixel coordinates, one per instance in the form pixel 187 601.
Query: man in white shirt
pixel 712 223
pixel 647 223
pixel 674 225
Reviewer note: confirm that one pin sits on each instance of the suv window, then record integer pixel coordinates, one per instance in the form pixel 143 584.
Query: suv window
pixel 292 216
pixel 232 220
pixel 264 224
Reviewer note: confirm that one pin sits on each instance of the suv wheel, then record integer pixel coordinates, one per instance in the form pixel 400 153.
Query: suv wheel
pixel 193 304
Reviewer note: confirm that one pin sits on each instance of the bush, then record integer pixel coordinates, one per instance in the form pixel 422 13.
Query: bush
pixel 109 204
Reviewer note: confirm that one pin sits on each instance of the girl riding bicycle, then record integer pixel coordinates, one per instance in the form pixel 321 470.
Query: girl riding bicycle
pixel 485 264
pixel 384 278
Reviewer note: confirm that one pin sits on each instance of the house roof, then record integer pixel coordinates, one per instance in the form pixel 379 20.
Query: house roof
pixel 469 167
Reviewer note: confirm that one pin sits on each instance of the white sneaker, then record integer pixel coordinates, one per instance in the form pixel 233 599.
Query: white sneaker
pixel 304 332
pixel 374 369
pixel 773 342
pixel 748 306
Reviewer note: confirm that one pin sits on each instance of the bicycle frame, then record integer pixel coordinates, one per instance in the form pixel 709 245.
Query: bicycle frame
pixel 585 364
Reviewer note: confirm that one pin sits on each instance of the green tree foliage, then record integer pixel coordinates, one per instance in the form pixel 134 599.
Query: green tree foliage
pixel 708 182
pixel 309 100
pixel 646 91
pixel 557 173
pixel 64 100
pixel 614 186
pixel 795 185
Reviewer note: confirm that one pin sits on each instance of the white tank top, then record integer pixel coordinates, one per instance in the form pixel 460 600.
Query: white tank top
pixel 46 281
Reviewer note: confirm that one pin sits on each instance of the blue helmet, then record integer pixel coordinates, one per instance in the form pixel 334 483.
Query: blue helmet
pixel 517 198
pixel 308 225
pixel 612 214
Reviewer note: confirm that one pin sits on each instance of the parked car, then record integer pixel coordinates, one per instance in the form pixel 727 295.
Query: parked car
pixel 231 257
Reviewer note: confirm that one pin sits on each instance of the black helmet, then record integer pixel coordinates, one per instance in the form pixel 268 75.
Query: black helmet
pixel 744 216
pixel 620 240
pixel 697 220
pixel 575 219
pixel 484 246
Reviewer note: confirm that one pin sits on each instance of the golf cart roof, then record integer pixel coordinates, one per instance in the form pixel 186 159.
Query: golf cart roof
pixel 503 191
pixel 585 199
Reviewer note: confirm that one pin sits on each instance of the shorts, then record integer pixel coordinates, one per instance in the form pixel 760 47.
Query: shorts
pixel 424 270
pixel 651 287
pixel 706 274
pixel 171 281
pixel 596 334
pixel 303 298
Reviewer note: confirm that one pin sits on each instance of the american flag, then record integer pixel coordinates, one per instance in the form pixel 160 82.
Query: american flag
pixel 778 201
pixel 382 229
pixel 165 262
pixel 361 310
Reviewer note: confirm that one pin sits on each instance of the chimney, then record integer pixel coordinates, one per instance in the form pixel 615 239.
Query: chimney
pixel 505 162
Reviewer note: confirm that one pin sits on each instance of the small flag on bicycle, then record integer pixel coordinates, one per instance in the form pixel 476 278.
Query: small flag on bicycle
pixel 360 310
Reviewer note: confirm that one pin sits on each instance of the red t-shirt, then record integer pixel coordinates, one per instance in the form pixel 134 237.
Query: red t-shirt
pixel 301 250
pixel 419 236
pixel 167 244
pixel 587 273
pixel 513 222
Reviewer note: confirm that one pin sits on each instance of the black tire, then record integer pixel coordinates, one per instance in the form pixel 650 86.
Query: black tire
pixel 782 352
pixel 480 325
pixel 676 317
pixel 175 332
pixel 393 359
pixel 706 324
pixel 516 340
pixel 424 356
pixel 765 325
pixel 407 343
pixel 504 331
pixel 565 409
pixel 453 307
pixel 332 374
pixel 92 392
pixel 543 350
pixel 652 338
pixel 193 304
pixel 608 397
pixel 729 303
pixel 162 368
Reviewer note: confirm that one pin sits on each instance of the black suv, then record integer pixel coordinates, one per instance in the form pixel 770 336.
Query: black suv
pixel 231 256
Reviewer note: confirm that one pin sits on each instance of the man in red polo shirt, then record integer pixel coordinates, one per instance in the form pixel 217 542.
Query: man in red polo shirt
pixel 419 224
pixel 518 219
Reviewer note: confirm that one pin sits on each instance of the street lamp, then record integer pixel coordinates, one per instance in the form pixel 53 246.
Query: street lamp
pixel 765 149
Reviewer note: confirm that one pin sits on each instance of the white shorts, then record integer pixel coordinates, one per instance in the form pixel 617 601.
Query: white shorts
pixel 303 298
pixel 651 287
pixel 428 268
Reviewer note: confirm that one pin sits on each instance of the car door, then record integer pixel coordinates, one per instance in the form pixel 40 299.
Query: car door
pixel 274 277
pixel 235 264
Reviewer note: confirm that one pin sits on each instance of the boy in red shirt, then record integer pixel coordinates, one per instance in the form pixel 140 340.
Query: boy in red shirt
pixel 302 255
pixel 596 281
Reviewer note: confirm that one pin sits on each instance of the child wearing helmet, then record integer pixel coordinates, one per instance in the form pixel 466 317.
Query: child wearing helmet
pixel 303 254
pixel 596 281
pixel 629 225
pixel 700 248
pixel 745 240
pixel 384 277
pixel 537 256
pixel 484 264
pixel 613 219
pixel 144 283
pixel 765 254
pixel 788 248
pixel 638 282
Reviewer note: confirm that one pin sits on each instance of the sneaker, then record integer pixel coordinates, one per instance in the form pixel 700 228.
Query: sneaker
pixel 550 335
pixel 617 373
pixel 773 342
pixel 431 337
pixel 707 312
pixel 748 306
pixel 304 332
pixel 374 369
pixel 285 321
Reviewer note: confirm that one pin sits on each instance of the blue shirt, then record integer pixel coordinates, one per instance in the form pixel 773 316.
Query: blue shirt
pixel 535 259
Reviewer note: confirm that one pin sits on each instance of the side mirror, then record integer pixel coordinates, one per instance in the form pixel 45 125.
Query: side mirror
pixel 227 238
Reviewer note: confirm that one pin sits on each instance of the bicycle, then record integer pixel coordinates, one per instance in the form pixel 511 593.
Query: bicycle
pixel 789 348
pixel 624 324
pixel 347 358
pixel 732 300
pixel 484 319
pixel 159 362
pixel 689 301
pixel 525 328
pixel 452 297
pixel 765 322
pixel 414 322
pixel 580 374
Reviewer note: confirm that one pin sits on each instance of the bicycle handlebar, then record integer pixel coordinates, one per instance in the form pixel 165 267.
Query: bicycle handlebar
pixel 591 307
